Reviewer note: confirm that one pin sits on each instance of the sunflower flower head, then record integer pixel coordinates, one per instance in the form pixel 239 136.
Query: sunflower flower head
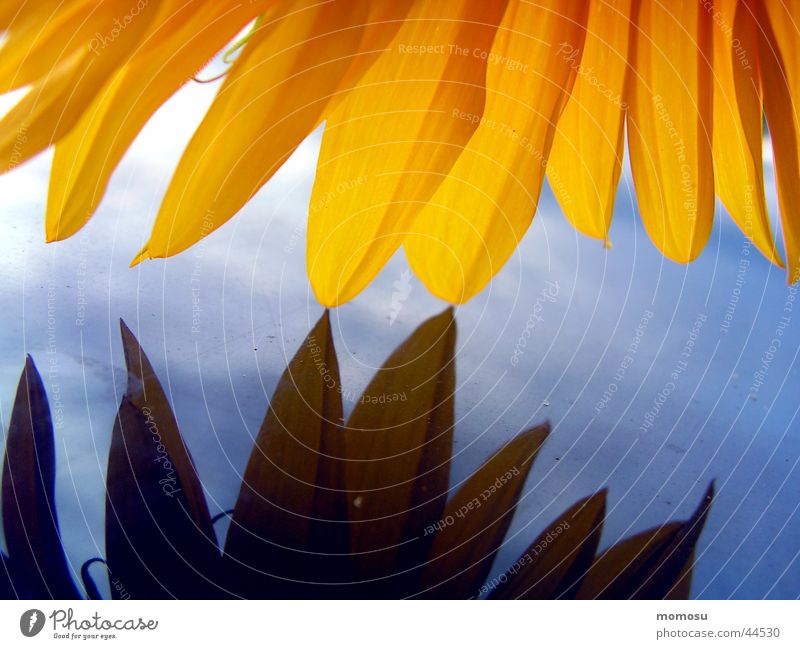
pixel 441 120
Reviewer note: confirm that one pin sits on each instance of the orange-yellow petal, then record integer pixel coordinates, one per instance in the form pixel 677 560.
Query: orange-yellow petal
pixel 273 97
pixel 779 51
pixel 187 36
pixel 9 11
pixel 13 13
pixel 56 101
pixel 391 141
pixel 738 119
pixel 35 47
pixel 586 160
pixel 477 216
pixel 669 125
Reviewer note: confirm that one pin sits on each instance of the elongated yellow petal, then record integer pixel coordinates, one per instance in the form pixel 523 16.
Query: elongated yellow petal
pixel 393 139
pixel 55 103
pixel 273 98
pixel 586 159
pixel 9 11
pixel 35 47
pixel 779 49
pixel 669 125
pixel 481 210
pixel 13 13
pixel 186 38
pixel 738 119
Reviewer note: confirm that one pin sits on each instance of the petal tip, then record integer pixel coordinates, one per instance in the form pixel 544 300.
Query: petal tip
pixel 142 255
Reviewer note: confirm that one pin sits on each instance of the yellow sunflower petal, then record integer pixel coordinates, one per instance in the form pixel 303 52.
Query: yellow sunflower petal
pixel 186 38
pixel 779 50
pixel 669 125
pixel 55 102
pixel 586 160
pixel 35 47
pixel 273 98
pixel 9 11
pixel 476 218
pixel 15 12
pixel 738 119
pixel 392 140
